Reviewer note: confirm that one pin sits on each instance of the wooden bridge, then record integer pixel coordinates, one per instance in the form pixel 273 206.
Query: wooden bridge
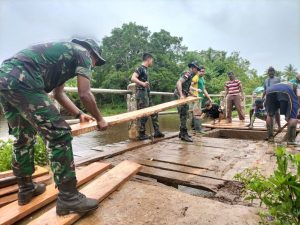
pixel 208 165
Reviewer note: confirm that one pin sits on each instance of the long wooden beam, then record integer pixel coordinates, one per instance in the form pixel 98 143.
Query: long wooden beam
pixel 12 212
pixel 82 128
pixel 99 189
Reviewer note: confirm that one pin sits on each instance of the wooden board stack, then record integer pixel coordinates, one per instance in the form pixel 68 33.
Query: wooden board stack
pixel 99 188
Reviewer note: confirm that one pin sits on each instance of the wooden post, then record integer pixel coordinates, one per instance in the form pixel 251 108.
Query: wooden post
pixel 131 106
pixel 223 103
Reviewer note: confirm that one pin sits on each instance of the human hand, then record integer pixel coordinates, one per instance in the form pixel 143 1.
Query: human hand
pixel 102 124
pixel 85 118
pixel 146 84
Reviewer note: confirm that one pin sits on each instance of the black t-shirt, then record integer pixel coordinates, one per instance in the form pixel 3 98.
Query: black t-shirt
pixel 142 75
pixel 213 112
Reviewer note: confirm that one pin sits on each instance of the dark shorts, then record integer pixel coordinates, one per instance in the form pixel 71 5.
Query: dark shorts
pixel 281 101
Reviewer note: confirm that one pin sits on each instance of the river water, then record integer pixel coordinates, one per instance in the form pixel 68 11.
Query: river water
pixel 168 122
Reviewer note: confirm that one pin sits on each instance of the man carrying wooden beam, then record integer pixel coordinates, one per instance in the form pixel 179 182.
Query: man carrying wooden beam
pixel 283 98
pixel 143 98
pixel 25 80
pixel 182 91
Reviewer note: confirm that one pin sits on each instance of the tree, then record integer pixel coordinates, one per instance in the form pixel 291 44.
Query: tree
pixel 290 72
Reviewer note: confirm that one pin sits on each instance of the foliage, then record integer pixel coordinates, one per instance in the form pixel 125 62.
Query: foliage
pixel 280 192
pixel 290 72
pixel 6 148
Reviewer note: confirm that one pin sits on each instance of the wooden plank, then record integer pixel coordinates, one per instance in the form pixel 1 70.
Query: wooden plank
pixel 178 178
pixel 14 188
pixel 7 181
pixel 109 151
pixel 99 189
pixel 8 199
pixel 12 212
pixel 82 128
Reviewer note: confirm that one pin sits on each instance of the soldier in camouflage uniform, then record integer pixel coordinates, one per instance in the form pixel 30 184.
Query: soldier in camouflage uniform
pixel 144 100
pixel 182 91
pixel 25 80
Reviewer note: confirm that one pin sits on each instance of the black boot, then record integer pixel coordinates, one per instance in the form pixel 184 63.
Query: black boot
pixel 158 134
pixel 142 136
pixel 185 136
pixel 71 200
pixel 28 189
pixel 291 136
pixel 270 133
pixel 180 132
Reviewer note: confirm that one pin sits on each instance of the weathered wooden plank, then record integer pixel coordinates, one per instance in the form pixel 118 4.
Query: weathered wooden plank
pixel 99 189
pixel 7 181
pixel 8 199
pixel 14 188
pixel 82 128
pixel 12 212
pixel 108 151
pixel 178 178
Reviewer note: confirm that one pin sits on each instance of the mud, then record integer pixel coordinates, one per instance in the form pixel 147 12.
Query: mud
pixel 148 203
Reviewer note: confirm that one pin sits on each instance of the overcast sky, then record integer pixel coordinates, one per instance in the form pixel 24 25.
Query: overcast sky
pixel 265 32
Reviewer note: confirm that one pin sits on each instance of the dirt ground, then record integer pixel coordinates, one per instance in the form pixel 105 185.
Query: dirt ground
pixel 147 203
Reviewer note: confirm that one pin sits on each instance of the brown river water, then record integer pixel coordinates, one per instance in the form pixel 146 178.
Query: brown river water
pixel 168 123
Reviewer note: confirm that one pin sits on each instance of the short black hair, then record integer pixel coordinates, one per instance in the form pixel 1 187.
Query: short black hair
pixel 259 101
pixel 271 69
pixel 146 56
pixel 207 103
pixel 201 68
pixel 230 73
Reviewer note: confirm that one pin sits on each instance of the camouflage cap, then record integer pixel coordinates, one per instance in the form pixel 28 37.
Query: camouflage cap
pixel 90 44
pixel 194 64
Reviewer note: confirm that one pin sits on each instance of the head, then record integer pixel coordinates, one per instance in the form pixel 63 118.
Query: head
pixel 298 77
pixel 201 71
pixel 94 50
pixel 231 75
pixel 259 103
pixel 194 68
pixel 147 59
pixel 271 72
pixel 208 104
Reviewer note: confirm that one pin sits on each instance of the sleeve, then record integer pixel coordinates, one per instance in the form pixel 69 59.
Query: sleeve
pixel 138 71
pixel 84 64
pixel 265 86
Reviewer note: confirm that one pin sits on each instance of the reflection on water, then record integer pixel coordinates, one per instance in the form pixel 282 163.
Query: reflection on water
pixel 115 134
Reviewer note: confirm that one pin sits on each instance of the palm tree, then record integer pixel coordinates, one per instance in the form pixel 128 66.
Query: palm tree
pixel 290 72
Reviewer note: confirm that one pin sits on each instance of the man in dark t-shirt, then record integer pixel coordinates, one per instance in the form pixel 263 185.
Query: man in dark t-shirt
pixel 212 111
pixel 143 97
pixel 25 80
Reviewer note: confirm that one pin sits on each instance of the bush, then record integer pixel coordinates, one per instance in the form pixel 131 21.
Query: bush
pixel 280 192
pixel 6 147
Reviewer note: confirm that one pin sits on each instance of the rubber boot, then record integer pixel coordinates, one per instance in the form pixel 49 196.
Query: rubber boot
pixel 142 136
pixel 28 189
pixel 70 200
pixel 198 126
pixel 291 136
pixel 185 136
pixel 270 133
pixel 180 133
pixel 158 134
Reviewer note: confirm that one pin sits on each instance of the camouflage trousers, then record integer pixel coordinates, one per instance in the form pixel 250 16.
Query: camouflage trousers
pixel 144 100
pixel 183 111
pixel 29 112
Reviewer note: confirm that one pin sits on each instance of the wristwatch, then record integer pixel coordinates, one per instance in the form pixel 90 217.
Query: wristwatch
pixel 79 114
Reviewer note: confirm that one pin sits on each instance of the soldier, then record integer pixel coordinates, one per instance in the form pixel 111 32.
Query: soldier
pixel 182 91
pixel 143 97
pixel 283 98
pixel 25 80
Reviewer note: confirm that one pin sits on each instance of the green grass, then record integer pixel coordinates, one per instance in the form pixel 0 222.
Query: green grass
pixel 109 110
pixel 6 148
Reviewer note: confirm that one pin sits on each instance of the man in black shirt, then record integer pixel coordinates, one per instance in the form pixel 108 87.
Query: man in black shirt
pixel 143 98
pixel 212 111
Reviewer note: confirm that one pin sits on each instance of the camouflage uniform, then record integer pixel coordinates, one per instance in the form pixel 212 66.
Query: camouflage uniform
pixel 144 100
pixel 25 80
pixel 183 110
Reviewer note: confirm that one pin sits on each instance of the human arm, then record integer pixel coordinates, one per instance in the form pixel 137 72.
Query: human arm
pixel 179 87
pixel 134 79
pixel 206 94
pixel 89 102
